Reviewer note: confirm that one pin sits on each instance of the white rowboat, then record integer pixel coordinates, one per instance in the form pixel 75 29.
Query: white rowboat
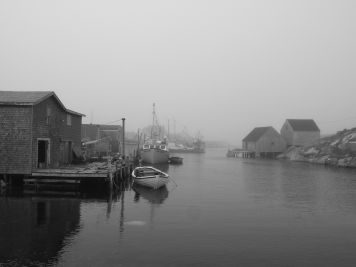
pixel 150 177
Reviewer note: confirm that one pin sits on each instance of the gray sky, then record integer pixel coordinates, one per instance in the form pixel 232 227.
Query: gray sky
pixel 221 67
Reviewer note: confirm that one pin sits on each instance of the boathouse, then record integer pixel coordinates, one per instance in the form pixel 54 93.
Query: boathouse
pixel 264 142
pixel 36 131
pixel 300 132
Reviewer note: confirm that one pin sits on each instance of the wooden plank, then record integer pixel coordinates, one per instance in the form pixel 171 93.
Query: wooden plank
pixel 70 181
pixel 73 175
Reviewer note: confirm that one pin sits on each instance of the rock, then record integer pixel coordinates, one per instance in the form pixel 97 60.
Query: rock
pixel 321 160
pixel 353 163
pixel 331 161
pixel 342 163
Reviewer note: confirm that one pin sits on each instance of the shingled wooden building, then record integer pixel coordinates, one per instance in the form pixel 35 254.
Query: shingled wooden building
pixel 300 132
pixel 36 131
pixel 264 142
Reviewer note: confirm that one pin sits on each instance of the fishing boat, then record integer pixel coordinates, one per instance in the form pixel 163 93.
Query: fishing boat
pixel 150 177
pixel 155 150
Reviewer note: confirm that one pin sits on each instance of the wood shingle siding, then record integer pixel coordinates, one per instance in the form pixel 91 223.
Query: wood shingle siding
pixel 15 139
pixel 264 140
pixel 300 132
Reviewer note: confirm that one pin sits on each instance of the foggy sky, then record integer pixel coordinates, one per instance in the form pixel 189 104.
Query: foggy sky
pixel 221 67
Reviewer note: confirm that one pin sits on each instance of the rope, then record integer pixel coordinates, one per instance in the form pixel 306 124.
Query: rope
pixel 171 179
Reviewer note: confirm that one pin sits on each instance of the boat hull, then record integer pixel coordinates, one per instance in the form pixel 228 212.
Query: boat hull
pixel 176 160
pixel 152 182
pixel 154 156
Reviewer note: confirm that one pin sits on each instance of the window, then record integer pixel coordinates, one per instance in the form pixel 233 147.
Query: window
pixel 48 115
pixel 69 120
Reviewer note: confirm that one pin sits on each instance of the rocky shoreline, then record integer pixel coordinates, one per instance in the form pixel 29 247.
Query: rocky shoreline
pixel 338 150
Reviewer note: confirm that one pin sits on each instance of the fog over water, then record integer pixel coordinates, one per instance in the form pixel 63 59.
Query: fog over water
pixel 221 67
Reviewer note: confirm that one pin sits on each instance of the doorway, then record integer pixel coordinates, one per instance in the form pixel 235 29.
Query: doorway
pixel 43 154
pixel 66 152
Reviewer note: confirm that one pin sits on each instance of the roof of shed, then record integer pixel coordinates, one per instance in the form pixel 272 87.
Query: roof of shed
pixel 303 125
pixel 256 134
pixel 30 98
pixel 23 97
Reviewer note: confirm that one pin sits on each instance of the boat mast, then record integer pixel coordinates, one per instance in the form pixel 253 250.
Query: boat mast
pixel 155 129
pixel 153 120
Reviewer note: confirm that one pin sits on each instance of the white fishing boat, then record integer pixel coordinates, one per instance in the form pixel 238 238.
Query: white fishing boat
pixel 154 150
pixel 150 177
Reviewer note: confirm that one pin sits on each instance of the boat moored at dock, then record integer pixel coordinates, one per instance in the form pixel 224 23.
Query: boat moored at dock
pixel 155 152
pixel 176 160
pixel 150 177
pixel 155 149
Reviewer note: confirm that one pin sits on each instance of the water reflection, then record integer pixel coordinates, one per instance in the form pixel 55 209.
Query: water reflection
pixel 300 186
pixel 35 229
pixel 152 196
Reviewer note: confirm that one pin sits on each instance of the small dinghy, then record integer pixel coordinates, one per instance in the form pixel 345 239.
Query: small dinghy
pixel 149 177
pixel 176 160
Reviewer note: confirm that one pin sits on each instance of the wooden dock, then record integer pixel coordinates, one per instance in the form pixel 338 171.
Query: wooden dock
pixel 240 153
pixel 98 172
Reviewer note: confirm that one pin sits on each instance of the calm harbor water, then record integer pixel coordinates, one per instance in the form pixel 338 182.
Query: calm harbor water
pixel 223 212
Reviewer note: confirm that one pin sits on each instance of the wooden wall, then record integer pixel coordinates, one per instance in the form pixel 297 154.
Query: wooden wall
pixel 15 139
pixel 299 138
pixel 55 128
pixel 271 141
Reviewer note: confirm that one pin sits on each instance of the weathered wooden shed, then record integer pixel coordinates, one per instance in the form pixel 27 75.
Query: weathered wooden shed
pixel 36 131
pixel 101 138
pixel 300 132
pixel 264 142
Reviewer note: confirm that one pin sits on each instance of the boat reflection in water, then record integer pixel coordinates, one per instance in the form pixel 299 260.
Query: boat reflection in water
pixel 156 196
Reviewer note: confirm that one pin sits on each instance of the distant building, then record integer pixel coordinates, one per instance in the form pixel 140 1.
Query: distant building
pixel 298 132
pixel 101 139
pixel 36 131
pixel 264 142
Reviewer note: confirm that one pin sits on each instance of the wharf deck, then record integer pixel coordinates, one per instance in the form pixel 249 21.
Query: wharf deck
pixel 70 173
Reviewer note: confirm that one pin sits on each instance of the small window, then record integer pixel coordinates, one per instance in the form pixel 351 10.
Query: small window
pixel 48 115
pixel 69 120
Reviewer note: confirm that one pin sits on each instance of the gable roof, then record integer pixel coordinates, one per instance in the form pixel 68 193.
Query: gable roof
pixel 23 98
pixel 30 98
pixel 256 134
pixel 303 125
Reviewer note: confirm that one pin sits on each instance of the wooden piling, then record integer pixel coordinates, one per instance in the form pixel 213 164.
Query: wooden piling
pixel 110 174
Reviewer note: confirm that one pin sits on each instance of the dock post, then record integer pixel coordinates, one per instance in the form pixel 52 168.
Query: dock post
pixel 110 174
pixel 123 137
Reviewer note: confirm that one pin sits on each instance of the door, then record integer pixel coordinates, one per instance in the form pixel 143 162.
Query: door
pixel 66 152
pixel 43 153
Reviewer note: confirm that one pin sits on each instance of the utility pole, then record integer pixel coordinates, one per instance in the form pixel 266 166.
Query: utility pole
pixel 123 136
